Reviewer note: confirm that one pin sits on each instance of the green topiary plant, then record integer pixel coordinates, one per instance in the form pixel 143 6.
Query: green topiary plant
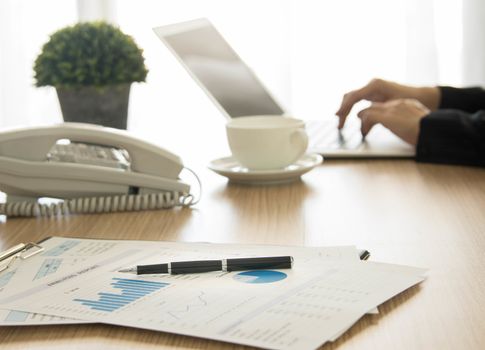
pixel 92 66
pixel 89 54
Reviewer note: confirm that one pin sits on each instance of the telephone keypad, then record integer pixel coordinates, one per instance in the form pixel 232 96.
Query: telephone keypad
pixel 81 153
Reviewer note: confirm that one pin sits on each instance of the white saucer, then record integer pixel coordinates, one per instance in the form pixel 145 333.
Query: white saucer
pixel 235 172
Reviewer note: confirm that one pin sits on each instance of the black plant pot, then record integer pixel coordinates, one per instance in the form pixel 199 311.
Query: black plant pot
pixel 107 105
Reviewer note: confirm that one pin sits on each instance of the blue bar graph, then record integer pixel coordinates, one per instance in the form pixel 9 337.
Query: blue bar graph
pixel 131 290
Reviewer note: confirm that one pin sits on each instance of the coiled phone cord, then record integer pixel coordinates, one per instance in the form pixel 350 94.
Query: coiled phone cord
pixel 107 204
pixel 91 205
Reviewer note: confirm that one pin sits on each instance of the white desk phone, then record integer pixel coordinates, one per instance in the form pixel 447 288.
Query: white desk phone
pixel 93 168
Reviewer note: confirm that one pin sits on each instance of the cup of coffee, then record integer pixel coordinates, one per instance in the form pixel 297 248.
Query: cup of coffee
pixel 266 142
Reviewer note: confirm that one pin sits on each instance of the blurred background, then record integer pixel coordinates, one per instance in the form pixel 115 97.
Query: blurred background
pixel 307 52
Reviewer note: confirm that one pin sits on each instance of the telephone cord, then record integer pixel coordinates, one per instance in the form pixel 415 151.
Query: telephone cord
pixel 190 199
pixel 107 204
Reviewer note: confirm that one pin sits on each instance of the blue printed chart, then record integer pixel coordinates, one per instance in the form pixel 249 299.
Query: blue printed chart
pixel 131 290
pixel 260 276
pixel 5 278
pixel 17 316
pixel 61 248
pixel 48 266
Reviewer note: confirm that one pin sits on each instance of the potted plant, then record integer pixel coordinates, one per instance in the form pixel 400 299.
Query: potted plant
pixel 92 66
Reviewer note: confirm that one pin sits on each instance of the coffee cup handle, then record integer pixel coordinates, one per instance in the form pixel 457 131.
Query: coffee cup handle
pixel 299 139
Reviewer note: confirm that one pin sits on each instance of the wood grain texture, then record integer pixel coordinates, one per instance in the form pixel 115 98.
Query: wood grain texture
pixel 403 212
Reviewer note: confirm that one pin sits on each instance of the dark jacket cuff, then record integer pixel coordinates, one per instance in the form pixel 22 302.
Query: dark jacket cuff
pixel 452 137
pixel 466 99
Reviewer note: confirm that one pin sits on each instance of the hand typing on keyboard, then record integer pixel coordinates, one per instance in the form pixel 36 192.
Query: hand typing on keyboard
pixel 398 107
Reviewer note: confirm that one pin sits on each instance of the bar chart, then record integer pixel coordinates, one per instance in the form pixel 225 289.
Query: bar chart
pixel 131 290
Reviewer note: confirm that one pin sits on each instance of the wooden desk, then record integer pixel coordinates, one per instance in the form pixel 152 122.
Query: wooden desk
pixel 407 213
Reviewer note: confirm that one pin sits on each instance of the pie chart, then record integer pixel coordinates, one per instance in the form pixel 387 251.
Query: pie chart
pixel 260 276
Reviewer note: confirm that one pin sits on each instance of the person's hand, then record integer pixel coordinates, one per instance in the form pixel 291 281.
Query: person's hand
pixel 401 116
pixel 379 90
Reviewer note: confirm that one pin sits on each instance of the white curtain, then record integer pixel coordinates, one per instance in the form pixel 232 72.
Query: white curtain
pixel 422 61
pixel 473 42
pixel 91 10
pixel 308 52
pixel 24 26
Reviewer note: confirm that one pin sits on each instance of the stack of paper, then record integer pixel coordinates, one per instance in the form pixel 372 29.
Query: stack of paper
pixel 325 293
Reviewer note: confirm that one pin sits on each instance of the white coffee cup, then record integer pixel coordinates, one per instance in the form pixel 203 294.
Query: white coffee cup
pixel 266 142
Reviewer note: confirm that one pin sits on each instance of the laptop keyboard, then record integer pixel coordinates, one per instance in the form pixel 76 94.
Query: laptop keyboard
pixel 324 134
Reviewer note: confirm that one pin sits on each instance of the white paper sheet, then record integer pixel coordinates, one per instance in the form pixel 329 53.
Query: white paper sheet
pixel 62 254
pixel 300 308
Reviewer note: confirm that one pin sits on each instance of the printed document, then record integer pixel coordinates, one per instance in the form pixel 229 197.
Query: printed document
pixel 298 308
pixel 61 255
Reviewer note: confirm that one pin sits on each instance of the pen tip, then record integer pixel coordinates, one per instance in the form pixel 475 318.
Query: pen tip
pixel 127 270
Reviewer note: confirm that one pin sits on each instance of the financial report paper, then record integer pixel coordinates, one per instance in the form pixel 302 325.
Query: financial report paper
pixel 300 308
pixel 61 255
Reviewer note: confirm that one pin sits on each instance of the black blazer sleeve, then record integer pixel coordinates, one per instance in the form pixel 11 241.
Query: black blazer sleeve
pixel 465 99
pixel 451 136
pixel 455 133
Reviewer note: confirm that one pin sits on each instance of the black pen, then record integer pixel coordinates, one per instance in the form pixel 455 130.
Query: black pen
pixel 236 264
pixel 364 254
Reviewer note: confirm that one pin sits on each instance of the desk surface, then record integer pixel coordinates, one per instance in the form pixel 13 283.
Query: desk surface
pixel 403 212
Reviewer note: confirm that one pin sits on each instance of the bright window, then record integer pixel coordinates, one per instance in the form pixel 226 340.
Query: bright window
pixel 307 52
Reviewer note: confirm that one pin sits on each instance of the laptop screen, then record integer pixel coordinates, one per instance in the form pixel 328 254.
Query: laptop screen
pixel 218 69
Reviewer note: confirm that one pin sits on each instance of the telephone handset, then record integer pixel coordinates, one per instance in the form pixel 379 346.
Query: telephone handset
pixel 93 168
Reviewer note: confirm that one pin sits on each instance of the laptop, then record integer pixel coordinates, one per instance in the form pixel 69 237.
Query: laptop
pixel 237 92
